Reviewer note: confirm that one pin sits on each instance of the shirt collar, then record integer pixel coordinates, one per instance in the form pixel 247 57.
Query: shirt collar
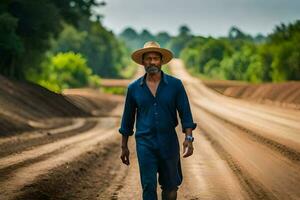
pixel 163 76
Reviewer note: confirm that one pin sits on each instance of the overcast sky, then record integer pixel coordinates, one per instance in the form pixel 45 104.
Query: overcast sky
pixel 203 17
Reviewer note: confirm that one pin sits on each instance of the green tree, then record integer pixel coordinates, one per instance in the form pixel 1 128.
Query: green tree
pixel 31 23
pixel 11 46
pixel 256 72
pixel 184 30
pixel 239 56
pixel 163 38
pixel 285 45
pixel 64 70
pixel 134 40
pixel 212 69
pixel 130 37
pixel 146 36
pixel 190 54
pixel 236 34
pixel 104 53
pixel 235 66
pixel 178 43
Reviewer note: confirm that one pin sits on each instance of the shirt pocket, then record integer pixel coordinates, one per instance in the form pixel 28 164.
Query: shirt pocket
pixel 168 98
pixel 143 101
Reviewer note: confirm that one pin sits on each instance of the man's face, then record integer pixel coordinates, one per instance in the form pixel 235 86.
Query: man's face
pixel 152 62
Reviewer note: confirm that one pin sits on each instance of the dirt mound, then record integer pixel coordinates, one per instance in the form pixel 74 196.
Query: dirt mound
pixel 282 94
pixel 222 85
pixel 93 101
pixel 26 106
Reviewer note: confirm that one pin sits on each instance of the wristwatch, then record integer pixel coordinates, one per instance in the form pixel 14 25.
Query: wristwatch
pixel 189 138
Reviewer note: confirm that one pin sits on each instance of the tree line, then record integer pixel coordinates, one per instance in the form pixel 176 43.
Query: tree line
pixel 58 43
pixel 238 56
pixel 62 43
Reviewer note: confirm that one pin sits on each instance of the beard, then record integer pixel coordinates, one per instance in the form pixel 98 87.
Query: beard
pixel 152 69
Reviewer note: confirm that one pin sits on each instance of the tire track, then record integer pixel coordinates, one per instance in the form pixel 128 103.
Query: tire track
pixel 287 136
pixel 274 176
pixel 8 170
pixel 126 184
pixel 253 187
pixel 44 137
pixel 207 176
pixel 286 151
pixel 47 148
pixel 28 174
pixel 82 178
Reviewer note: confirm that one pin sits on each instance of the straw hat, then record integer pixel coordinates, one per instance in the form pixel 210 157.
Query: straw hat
pixel 152 46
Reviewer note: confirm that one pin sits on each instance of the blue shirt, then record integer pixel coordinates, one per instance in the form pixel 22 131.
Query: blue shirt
pixel 157 115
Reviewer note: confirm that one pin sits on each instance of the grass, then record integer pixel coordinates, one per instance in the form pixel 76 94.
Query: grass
pixel 114 90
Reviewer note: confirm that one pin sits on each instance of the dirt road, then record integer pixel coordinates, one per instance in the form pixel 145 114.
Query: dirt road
pixel 243 150
pixel 260 144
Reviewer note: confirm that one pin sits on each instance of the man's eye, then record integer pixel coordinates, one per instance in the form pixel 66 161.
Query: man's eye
pixel 149 59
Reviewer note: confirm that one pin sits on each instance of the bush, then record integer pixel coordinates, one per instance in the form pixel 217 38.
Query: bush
pixel 66 70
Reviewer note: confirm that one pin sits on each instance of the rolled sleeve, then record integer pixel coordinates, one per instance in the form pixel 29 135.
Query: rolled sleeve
pixel 184 110
pixel 128 117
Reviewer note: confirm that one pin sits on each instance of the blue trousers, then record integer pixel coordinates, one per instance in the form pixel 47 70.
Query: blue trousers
pixel 151 163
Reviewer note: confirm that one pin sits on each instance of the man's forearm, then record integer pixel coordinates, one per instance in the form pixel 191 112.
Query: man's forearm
pixel 188 131
pixel 125 141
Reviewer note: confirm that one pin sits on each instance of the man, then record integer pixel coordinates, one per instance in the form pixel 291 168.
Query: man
pixel 154 100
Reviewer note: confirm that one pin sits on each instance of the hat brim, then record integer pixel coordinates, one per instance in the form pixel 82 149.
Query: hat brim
pixel 166 54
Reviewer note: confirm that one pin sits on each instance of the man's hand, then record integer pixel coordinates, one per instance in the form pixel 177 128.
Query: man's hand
pixel 125 155
pixel 187 148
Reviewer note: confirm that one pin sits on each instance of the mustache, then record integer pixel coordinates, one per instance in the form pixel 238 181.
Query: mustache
pixel 152 69
pixel 152 65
